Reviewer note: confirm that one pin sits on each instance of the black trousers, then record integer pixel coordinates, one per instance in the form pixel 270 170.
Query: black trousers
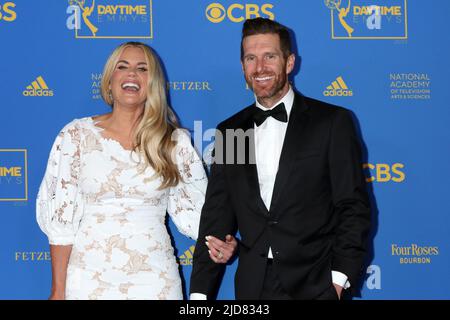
pixel 273 289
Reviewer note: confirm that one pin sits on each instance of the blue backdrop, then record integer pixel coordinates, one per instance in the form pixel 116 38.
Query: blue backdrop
pixel 389 64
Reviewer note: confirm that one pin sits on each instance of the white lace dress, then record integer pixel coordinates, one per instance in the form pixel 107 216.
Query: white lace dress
pixel 94 198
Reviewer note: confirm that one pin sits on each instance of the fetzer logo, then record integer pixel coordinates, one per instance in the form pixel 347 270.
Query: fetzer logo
pixel 38 88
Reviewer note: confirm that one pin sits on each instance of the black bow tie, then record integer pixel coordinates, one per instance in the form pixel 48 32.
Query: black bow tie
pixel 279 113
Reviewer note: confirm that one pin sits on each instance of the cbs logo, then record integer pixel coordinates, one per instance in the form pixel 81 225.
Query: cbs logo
pixel 382 172
pixel 6 12
pixel 237 12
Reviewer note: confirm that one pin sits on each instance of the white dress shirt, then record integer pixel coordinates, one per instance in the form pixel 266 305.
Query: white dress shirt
pixel 269 138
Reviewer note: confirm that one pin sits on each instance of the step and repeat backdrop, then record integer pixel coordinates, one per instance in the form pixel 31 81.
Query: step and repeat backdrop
pixel 386 60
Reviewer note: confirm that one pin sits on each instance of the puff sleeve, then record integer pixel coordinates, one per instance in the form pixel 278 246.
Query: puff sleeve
pixel 58 204
pixel 187 198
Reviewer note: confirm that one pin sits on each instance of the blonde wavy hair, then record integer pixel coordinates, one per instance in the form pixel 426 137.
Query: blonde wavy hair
pixel 152 136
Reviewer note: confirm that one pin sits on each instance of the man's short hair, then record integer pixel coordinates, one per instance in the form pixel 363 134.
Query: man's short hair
pixel 264 26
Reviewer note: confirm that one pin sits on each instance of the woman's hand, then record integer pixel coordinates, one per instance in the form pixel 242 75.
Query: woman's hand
pixel 221 251
pixel 57 295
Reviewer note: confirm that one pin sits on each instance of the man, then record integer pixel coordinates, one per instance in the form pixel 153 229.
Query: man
pixel 299 200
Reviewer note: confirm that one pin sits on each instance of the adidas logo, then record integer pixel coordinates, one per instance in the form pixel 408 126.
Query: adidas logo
pixel 338 88
pixel 186 257
pixel 38 88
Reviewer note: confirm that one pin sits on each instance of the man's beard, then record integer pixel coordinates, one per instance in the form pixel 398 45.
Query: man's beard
pixel 268 93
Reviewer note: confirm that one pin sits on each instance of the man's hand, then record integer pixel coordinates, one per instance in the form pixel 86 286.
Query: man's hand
pixel 221 251
pixel 338 290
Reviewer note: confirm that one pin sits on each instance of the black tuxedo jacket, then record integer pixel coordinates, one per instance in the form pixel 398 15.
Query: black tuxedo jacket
pixel 319 216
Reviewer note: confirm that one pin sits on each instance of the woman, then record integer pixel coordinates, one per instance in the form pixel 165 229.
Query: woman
pixel 109 182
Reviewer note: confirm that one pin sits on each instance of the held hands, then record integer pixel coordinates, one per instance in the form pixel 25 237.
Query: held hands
pixel 221 251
